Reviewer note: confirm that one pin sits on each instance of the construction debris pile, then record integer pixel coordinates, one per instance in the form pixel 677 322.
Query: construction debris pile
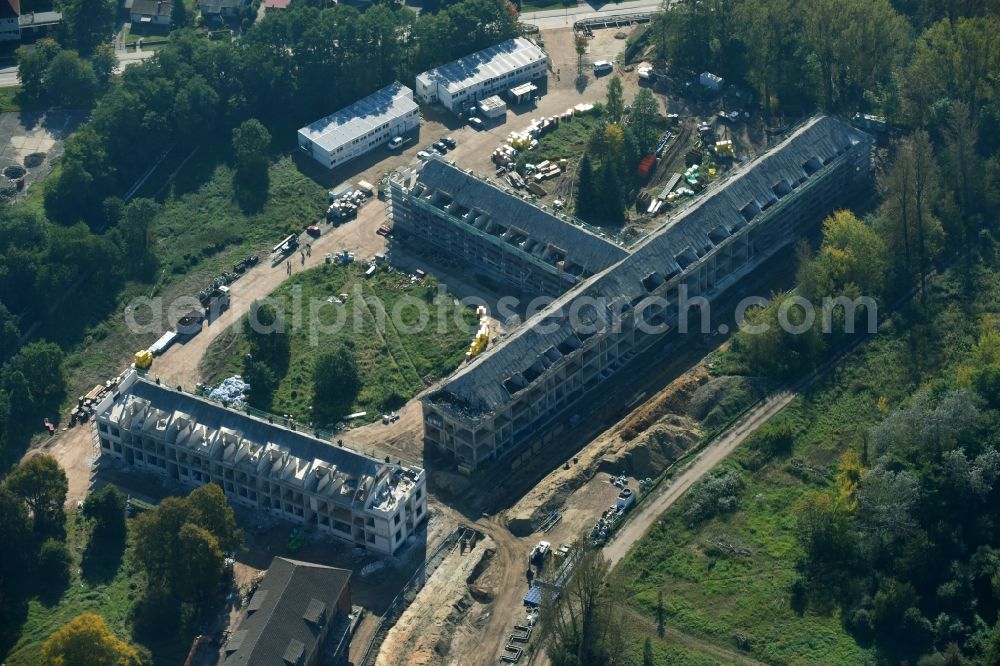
pixel 482 336
pixel 230 392
pixel 344 205
pixel 626 499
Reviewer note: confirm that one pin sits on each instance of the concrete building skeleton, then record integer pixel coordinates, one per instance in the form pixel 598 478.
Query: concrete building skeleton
pixel 522 388
pixel 262 466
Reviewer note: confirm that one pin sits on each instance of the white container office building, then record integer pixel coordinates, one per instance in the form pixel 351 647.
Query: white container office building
pixel 460 84
pixel 361 127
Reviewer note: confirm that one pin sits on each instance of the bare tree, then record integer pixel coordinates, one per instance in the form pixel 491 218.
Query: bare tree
pixel 580 624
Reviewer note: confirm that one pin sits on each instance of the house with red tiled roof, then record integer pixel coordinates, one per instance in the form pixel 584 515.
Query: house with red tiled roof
pixel 10 14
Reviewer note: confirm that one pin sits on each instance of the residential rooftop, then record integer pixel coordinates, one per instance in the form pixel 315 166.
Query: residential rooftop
pixel 287 615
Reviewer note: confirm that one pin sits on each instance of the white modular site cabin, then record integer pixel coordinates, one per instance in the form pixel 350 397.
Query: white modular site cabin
pixel 460 84
pixel 357 129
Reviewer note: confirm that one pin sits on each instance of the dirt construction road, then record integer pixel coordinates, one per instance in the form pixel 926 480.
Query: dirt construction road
pixel 703 463
pixel 178 366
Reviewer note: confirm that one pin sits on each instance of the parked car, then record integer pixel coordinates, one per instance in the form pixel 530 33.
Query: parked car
pixel 602 67
pixel 477 123
pixel 397 142
pixel 448 141
pixel 440 147
pixel 313 230
pixel 432 150
pixel 421 155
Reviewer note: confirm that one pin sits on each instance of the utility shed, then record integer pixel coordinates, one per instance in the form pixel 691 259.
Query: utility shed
pixel 298 615
pixel 522 93
pixel 493 107
pixel 360 127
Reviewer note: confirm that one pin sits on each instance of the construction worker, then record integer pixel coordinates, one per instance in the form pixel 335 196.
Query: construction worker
pixel 288 267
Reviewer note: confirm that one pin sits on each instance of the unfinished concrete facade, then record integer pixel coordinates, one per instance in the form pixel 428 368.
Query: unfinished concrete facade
pixel 438 208
pixel 526 384
pixel 262 466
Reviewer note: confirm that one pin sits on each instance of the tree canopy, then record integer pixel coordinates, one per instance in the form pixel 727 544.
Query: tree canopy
pixel 106 507
pixel 41 483
pixel 181 543
pixel 335 384
pixel 86 639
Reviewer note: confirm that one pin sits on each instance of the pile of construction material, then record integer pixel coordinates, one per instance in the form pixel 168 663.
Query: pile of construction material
pixel 482 336
pixel 546 169
pixel 163 343
pixel 724 148
pixel 527 139
pixel 343 257
pixel 345 203
pixel 241 266
pixel 231 391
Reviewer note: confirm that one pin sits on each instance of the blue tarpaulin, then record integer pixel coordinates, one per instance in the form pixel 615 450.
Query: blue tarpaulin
pixel 534 597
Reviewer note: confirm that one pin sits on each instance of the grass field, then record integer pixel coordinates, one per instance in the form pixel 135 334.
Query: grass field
pixel 566 141
pixel 101 582
pixel 11 100
pixel 200 232
pixel 716 592
pixel 395 360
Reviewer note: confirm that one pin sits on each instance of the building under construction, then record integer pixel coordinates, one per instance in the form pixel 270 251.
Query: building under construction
pixel 439 208
pixel 262 466
pixel 613 302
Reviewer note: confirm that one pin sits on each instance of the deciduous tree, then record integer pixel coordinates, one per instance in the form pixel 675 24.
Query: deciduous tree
pixel 70 81
pixel 41 483
pixel 106 507
pixel 643 120
pixel 15 534
pixel 908 213
pixel 136 230
pixel 33 67
pixel 335 384
pixel 202 563
pixel 86 640
pixel 87 22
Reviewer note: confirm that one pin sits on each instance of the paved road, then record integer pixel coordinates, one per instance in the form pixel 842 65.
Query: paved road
pixel 560 18
pixel 8 75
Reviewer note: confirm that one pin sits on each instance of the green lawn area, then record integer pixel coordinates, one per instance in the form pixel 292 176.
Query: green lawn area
pixel 395 360
pixel 566 141
pixel 542 5
pixel 105 583
pixel 11 100
pixel 714 593
pixel 200 232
